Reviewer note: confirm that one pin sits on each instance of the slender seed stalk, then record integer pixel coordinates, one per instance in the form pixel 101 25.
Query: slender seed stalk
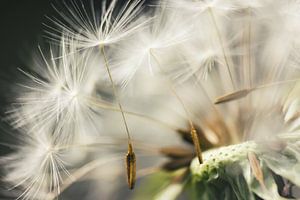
pixel 249 48
pixel 247 65
pixel 276 83
pixel 213 105
pixel 222 45
pixel 106 106
pixel 193 131
pixel 115 93
pixel 130 156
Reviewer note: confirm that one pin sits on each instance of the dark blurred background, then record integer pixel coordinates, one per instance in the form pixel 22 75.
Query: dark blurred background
pixel 21 31
pixel 21 28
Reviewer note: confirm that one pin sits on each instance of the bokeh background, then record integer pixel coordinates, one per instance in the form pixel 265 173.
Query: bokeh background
pixel 21 30
pixel 21 26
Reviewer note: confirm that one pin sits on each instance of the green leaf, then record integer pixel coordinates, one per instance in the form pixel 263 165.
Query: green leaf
pixel 235 177
pixel 171 192
pixel 152 185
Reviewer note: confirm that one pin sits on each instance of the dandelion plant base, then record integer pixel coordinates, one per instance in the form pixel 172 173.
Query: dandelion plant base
pixel 216 159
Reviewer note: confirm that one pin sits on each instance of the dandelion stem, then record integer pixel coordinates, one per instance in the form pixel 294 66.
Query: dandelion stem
pixel 194 134
pixel 222 44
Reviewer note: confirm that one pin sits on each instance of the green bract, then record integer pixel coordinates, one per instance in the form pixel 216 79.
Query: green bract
pixel 226 174
pixel 216 159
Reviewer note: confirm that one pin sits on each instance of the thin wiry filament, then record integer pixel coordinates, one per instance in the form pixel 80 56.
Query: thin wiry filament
pixel 222 45
pixel 115 93
pixel 193 131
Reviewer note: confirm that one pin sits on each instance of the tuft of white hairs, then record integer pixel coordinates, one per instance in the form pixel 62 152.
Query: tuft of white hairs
pixel 147 50
pixel 37 167
pixel 59 96
pixel 91 29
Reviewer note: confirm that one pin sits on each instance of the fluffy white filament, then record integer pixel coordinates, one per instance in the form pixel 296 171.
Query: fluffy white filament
pixel 59 97
pixel 91 29
pixel 37 168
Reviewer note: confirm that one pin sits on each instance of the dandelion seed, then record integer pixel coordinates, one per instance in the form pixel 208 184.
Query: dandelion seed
pixel 109 30
pixel 131 167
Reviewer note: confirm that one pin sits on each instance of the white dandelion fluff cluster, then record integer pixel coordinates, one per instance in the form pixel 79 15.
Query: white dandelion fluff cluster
pixel 148 79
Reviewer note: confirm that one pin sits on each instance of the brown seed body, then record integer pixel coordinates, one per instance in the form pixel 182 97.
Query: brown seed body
pixel 196 141
pixel 232 96
pixel 131 167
